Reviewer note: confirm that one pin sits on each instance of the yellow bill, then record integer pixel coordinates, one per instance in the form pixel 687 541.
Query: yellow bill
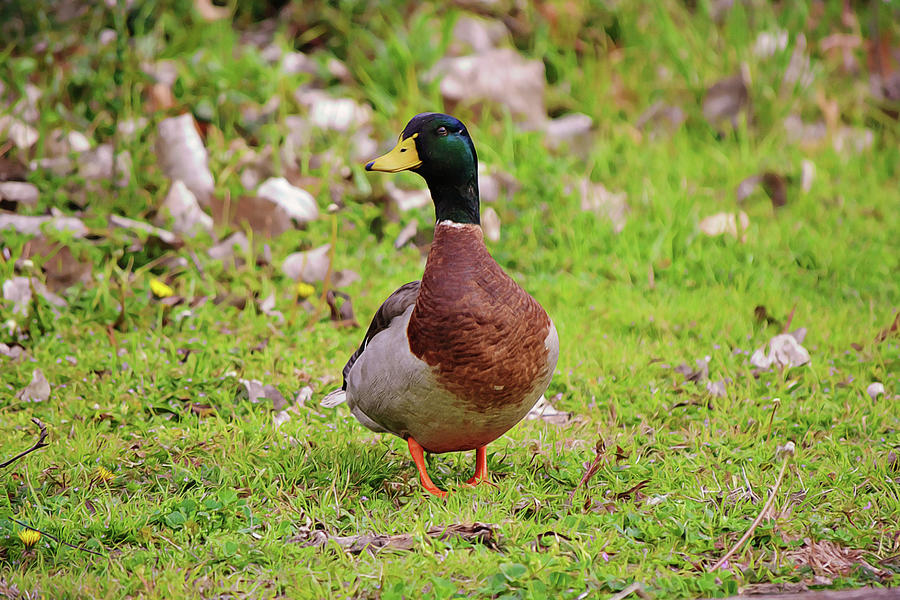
pixel 403 157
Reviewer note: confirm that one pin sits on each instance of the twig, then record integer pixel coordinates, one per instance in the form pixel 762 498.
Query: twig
pixel 600 449
pixel 38 444
pixel 54 538
pixel 790 318
pixel 788 452
pixel 635 588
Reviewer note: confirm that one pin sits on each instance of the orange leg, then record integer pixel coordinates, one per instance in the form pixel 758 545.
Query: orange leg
pixel 416 451
pixel 481 473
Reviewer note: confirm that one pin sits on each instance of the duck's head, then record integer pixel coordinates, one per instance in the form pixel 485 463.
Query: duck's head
pixel 438 147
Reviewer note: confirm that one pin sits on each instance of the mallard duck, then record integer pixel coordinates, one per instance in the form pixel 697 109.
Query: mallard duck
pixel 452 362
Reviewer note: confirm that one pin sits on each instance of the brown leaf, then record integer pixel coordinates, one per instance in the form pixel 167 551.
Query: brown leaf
pixel 334 114
pixel 490 222
pixel 31 225
pixel 61 268
pixel 599 459
pixel 661 118
pixel 500 76
pixel 309 266
pixel 785 351
pixel 159 98
pixel 38 390
pixel 202 410
pixel 775 186
pixel 480 533
pixel 698 375
pixel 632 492
pixel 13 193
pixel 299 204
pixel 12 170
pixel 167 238
pixel 343 314
pixel 545 411
pixel 604 203
pixel 182 155
pixel 726 99
pixel 406 234
pixel 473 34
pixel 887 332
pixel 725 222
pixel 831 559
pixel 18 290
pixel 181 207
pixel 279 402
pixel 263 217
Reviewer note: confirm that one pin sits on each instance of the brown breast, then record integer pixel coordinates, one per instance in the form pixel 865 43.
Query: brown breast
pixel 481 332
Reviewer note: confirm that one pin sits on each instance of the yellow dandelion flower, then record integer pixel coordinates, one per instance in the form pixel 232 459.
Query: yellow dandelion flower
pixel 160 289
pixel 29 537
pixel 304 290
pixel 104 474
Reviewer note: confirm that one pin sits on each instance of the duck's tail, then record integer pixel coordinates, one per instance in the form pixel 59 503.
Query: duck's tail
pixel 338 396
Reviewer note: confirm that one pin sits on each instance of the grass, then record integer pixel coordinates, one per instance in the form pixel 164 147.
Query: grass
pixel 208 498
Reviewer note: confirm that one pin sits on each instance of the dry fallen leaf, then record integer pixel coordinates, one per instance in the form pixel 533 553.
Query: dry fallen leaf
pixel 251 389
pixel 698 375
pixel 473 34
pixel 404 200
pixel 263 217
pixel 31 225
pixel 333 114
pixel 341 312
pixel 297 203
pixel 22 135
pixel 661 118
pixel 545 411
pixel 267 307
pixel 62 269
pixel 480 533
pixel 183 156
pixel 166 237
pixel 406 234
pixel 572 130
pixel 727 98
pixel 182 207
pixel 14 352
pixel 226 248
pixel 831 559
pixel 490 223
pixel 785 351
pixel 875 389
pixel 603 203
pixel 499 76
pixel 13 193
pixel 722 223
pixel 808 135
pixel 309 266
pixel 38 390
pixel 279 402
pixel 18 291
pixel 891 329
pixel 774 184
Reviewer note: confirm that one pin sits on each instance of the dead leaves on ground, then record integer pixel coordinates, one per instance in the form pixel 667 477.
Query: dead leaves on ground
pixel 475 533
pixel 830 559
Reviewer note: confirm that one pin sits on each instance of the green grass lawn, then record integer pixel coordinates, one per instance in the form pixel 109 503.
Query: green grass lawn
pixel 181 486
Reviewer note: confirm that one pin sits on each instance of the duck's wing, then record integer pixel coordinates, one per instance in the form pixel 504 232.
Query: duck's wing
pixel 395 305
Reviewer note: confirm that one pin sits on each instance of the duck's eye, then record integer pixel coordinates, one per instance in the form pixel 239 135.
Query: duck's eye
pixel 442 131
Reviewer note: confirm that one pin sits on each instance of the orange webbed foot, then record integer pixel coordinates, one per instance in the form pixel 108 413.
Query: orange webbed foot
pixel 481 472
pixel 418 457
